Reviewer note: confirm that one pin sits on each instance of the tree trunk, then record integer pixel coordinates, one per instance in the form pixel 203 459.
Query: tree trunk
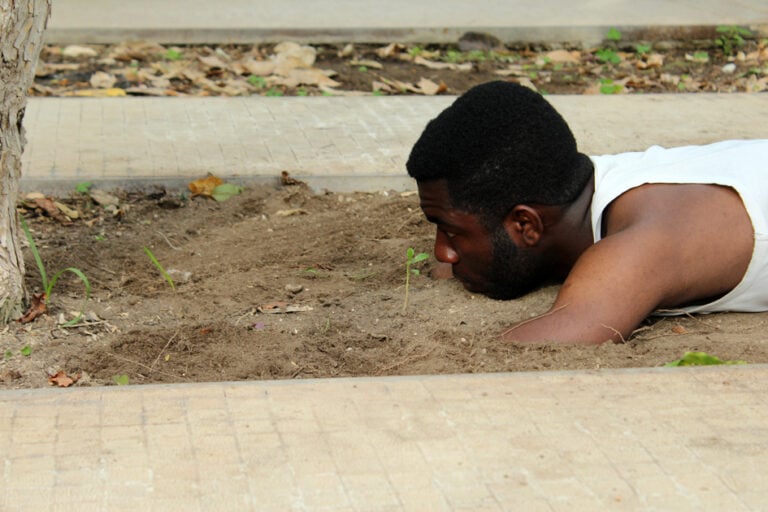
pixel 22 23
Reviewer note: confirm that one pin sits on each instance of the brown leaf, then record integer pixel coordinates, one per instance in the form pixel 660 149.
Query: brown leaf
pixel 286 179
pixel 390 50
pixel 466 66
pixel 205 186
pixel 213 62
pixel 49 207
pixel 102 80
pixel 564 56
pixel 655 60
pixel 37 308
pixel 430 88
pixel 259 67
pixel 62 380
pixel 679 329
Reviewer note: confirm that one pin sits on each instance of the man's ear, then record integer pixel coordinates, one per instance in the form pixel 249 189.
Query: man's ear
pixel 524 225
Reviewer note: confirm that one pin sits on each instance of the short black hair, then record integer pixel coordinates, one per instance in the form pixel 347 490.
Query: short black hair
pixel 499 145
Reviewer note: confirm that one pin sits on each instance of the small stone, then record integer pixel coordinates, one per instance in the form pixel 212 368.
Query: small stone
pixel 729 68
pixel 103 198
pixel 180 276
pixel 293 289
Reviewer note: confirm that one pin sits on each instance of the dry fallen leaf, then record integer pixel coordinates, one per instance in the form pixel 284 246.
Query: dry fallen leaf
pixel 564 56
pixel 102 80
pixel 390 50
pixel 62 380
pixel 466 66
pixel 679 329
pixel 37 308
pixel 205 186
pixel 430 88
pixel 374 64
pixel 97 93
pixel 48 206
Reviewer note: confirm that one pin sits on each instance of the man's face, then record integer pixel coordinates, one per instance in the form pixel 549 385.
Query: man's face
pixel 485 261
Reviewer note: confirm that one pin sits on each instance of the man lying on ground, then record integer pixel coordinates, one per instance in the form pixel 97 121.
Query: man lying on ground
pixel 516 205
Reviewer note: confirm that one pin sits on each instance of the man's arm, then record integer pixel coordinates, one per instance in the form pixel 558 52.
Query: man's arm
pixel 615 284
pixel 665 246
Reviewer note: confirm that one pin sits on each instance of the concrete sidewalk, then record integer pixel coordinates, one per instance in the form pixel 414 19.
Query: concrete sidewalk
pixel 327 21
pixel 663 439
pixel 345 143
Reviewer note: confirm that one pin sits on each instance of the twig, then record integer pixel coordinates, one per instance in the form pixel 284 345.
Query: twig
pixel 169 242
pixel 142 365
pixel 621 337
pixel 162 350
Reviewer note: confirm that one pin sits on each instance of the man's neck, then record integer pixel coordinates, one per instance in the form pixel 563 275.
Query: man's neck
pixel 571 233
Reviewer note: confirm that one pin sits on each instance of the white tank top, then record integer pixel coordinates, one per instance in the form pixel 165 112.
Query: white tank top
pixel 741 165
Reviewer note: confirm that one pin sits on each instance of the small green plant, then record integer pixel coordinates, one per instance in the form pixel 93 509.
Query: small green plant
pixel 8 354
pixel 731 37
pixel 607 86
pixel 26 351
pixel 172 54
pixel 120 380
pixel 160 268
pixel 302 92
pixel 700 359
pixel 362 69
pixel 613 34
pixel 84 187
pixel 274 92
pixel 259 82
pixel 411 258
pixel 49 284
pixel 415 51
pixel 642 49
pixel 701 56
pixel 608 56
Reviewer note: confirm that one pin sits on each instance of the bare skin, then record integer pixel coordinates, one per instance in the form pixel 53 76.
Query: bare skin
pixel 663 246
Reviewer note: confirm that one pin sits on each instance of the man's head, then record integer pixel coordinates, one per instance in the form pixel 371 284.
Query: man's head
pixel 489 159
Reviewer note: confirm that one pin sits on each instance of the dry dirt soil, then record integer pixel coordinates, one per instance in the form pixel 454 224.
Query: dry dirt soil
pixel 282 283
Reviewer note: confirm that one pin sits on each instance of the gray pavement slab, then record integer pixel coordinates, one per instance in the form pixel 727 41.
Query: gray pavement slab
pixel 336 143
pixel 649 439
pixel 326 21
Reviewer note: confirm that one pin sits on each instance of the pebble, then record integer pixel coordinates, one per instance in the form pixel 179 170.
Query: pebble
pixel 294 288
pixel 729 68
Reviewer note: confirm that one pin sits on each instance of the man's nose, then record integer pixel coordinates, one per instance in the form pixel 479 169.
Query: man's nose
pixel 444 251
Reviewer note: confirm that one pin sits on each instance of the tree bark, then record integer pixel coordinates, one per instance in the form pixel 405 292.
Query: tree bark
pixel 22 23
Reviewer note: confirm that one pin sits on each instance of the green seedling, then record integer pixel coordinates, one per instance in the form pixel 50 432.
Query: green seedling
pixel 701 57
pixel 613 34
pixel 259 82
pixel 274 92
pixel 8 354
pixel 700 359
pixel 302 92
pixel 49 284
pixel 120 380
pixel 642 49
pixel 160 268
pixel 84 187
pixel 26 351
pixel 608 87
pixel 608 56
pixel 172 54
pixel 411 258
pixel 731 37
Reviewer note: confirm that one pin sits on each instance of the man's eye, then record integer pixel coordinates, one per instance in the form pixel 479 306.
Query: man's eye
pixel 448 233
